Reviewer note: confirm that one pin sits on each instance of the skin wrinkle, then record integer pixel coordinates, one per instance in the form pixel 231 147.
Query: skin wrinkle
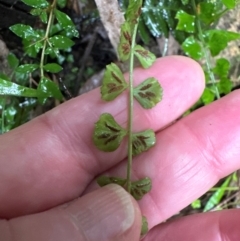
pixel 5 231
pixel 65 142
pixel 72 220
pixel 11 231
pixel 208 154
pixel 221 236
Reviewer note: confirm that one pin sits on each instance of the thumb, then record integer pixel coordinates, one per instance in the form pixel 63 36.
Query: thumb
pixel 106 214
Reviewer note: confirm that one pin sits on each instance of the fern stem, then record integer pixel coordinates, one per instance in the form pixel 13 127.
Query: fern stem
pixel 50 20
pixel 130 110
pixel 205 51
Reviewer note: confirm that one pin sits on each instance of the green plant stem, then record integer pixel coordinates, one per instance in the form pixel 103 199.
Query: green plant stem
pixel 130 110
pixel 50 20
pixel 213 189
pixel 205 51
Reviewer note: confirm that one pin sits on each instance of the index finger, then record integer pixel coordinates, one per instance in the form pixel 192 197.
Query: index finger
pixel 54 158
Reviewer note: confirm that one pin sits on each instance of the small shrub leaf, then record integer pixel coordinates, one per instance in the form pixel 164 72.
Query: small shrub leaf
pixel 13 61
pixel 24 31
pixel 71 31
pixel 156 18
pixel 61 42
pixel 36 3
pixel 52 68
pixel 63 19
pixel 145 57
pixel 141 187
pixel 27 68
pixel 148 93
pixel 44 17
pixel 143 141
pixel 47 88
pixel 42 13
pixel 113 82
pixel 108 134
pixel 62 3
pixel 10 88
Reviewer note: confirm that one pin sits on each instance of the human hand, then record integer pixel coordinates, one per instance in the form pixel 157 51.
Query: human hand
pixel 46 164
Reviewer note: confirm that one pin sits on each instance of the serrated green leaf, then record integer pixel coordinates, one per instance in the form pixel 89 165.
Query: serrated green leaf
pixel 113 82
pixel 208 96
pixel 218 39
pixel 125 42
pixel 36 3
pixel 148 93
pixel 52 68
pixel 27 68
pixel 24 31
pixel 208 12
pixel 143 141
pixel 192 48
pixel 230 4
pixel 144 228
pixel 108 134
pixel 225 86
pixel 186 22
pixel 10 88
pixel 105 180
pixel 141 187
pixel 217 196
pixel 13 61
pixel 145 57
pixel 61 42
pixel 222 68
pixel 47 88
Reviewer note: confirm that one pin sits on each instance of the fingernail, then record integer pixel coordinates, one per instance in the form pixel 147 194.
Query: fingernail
pixel 106 213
